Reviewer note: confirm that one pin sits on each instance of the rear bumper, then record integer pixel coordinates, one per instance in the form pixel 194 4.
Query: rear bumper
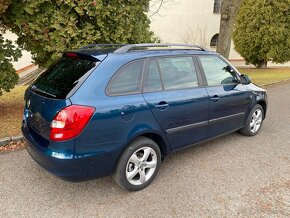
pixel 65 165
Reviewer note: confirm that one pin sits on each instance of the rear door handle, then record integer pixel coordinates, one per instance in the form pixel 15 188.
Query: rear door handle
pixel 215 98
pixel 162 105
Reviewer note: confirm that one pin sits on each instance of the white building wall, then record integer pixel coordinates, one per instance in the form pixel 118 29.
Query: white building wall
pixel 180 20
pixel 190 21
pixel 25 60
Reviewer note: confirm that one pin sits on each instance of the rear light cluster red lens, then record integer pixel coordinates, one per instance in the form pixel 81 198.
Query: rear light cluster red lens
pixel 70 122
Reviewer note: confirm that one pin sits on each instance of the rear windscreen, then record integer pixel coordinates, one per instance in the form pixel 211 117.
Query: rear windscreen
pixel 62 77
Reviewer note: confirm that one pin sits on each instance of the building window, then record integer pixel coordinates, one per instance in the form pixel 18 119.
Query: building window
pixel 214 40
pixel 217 6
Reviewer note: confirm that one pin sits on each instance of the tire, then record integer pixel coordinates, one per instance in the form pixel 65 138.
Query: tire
pixel 134 171
pixel 254 121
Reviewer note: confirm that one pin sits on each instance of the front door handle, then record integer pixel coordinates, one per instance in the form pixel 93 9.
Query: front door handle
pixel 215 98
pixel 162 105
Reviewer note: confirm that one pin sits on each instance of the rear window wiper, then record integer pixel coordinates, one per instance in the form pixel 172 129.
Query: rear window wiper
pixel 34 88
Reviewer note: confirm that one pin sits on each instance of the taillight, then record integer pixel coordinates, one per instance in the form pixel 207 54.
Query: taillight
pixel 70 122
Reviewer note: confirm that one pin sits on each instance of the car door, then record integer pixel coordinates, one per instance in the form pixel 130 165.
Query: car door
pixel 171 90
pixel 229 100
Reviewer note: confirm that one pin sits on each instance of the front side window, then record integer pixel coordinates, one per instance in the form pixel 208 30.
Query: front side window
pixel 127 80
pixel 217 72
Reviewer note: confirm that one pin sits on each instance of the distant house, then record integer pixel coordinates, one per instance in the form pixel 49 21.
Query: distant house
pixel 191 21
pixel 188 21
pixel 25 60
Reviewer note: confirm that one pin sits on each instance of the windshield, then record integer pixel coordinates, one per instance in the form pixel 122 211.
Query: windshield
pixel 62 77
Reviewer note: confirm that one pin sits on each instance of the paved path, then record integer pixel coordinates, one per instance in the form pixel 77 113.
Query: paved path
pixel 229 177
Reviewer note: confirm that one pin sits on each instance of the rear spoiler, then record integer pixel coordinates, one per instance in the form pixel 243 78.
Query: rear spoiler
pixel 84 56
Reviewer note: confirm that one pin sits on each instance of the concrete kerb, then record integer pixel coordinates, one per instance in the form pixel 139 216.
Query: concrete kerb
pixel 275 83
pixel 7 140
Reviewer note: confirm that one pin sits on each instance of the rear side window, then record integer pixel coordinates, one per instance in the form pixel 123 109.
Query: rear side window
pixel 152 81
pixel 175 73
pixel 217 72
pixel 178 73
pixel 127 80
pixel 62 77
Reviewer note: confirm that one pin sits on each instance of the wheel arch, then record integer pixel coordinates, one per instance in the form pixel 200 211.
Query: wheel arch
pixel 159 141
pixel 156 136
pixel 264 106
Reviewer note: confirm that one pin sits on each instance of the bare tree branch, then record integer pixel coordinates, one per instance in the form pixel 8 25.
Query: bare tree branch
pixel 195 35
pixel 156 5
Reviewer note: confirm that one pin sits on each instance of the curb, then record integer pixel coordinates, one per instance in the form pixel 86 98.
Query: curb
pixel 7 140
pixel 275 83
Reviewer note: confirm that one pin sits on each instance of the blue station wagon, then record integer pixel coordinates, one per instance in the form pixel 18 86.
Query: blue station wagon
pixel 120 109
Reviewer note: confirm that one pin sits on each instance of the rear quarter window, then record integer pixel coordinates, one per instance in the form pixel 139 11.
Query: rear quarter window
pixel 63 76
pixel 127 80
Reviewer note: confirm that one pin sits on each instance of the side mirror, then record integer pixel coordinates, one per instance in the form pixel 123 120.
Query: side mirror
pixel 245 79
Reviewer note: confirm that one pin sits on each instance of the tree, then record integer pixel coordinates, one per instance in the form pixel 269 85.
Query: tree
pixel 229 9
pixel 47 28
pixel 4 5
pixel 262 31
pixel 195 36
pixel 8 53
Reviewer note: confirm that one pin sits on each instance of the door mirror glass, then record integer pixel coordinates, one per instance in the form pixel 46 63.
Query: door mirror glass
pixel 245 79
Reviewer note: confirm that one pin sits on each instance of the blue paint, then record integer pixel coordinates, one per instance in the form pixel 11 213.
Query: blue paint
pixel 188 116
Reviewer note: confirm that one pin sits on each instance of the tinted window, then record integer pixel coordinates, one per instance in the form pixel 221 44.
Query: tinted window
pixel 152 81
pixel 127 80
pixel 62 77
pixel 178 73
pixel 217 72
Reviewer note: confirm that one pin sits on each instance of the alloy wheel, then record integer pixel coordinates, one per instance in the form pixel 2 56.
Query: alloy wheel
pixel 256 121
pixel 141 166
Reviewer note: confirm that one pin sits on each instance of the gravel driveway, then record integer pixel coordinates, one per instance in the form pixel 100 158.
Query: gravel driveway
pixel 233 176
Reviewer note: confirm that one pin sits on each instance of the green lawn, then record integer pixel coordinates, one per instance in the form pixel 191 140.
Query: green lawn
pixel 11 108
pixel 267 76
pixel 11 103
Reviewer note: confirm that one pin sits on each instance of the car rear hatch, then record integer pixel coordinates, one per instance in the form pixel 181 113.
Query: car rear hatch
pixel 50 92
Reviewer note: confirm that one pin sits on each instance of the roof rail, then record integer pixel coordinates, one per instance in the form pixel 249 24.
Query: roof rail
pixel 101 45
pixel 127 48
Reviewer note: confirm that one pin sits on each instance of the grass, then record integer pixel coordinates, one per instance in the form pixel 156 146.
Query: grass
pixel 11 107
pixel 267 76
pixel 11 103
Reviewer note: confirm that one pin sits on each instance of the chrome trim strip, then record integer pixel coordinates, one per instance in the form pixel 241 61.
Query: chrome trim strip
pixel 221 119
pixel 186 127
pixel 203 123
